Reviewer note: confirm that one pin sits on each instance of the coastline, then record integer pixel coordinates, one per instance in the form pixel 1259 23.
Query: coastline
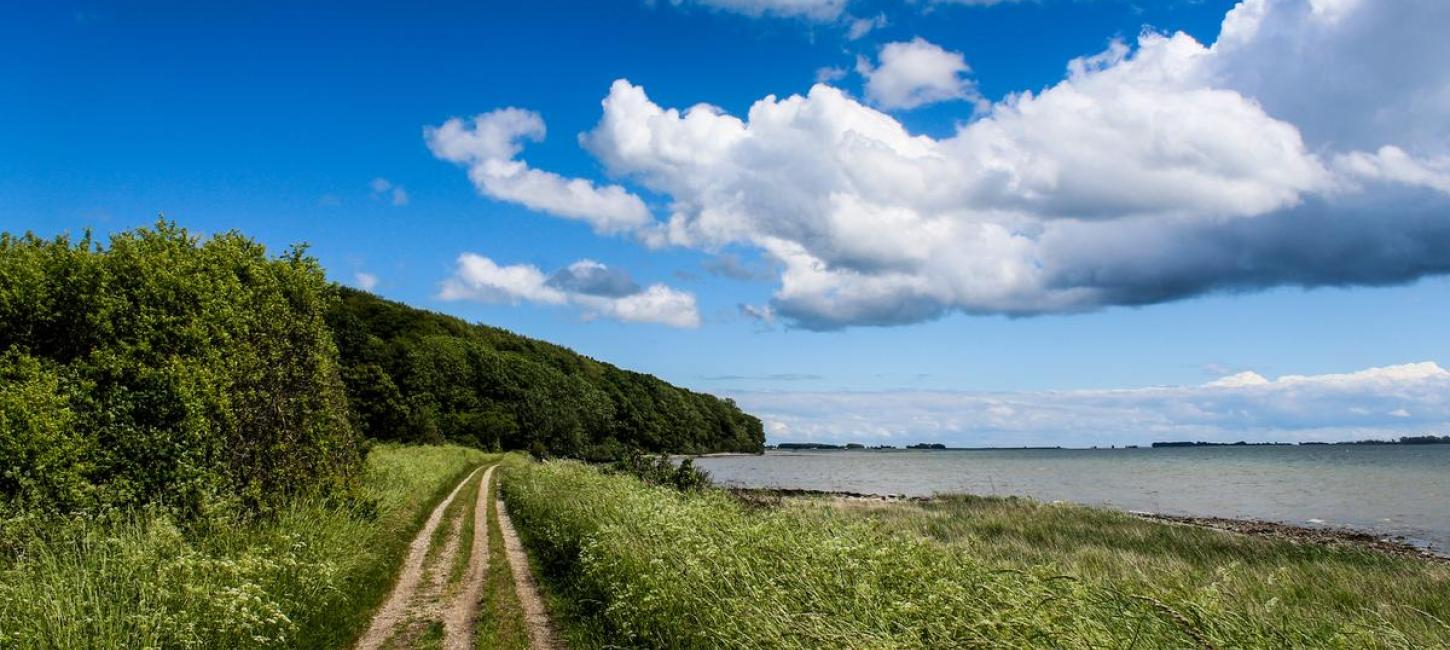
pixel 1326 536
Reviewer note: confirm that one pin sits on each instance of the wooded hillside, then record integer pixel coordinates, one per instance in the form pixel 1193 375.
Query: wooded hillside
pixel 419 376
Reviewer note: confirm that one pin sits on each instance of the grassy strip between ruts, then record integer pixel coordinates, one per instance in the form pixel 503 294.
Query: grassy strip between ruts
pixel 651 567
pixel 309 577
pixel 428 634
pixel 501 624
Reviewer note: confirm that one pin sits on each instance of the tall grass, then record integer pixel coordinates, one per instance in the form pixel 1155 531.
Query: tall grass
pixel 1281 583
pixel 307 577
pixel 653 567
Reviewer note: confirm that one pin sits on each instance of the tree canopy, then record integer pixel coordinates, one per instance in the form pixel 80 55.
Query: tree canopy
pixel 419 376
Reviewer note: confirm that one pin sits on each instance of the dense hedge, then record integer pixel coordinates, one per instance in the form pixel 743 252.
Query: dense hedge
pixel 418 376
pixel 160 369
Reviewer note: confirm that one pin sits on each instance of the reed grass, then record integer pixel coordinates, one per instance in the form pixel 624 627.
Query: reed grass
pixel 653 567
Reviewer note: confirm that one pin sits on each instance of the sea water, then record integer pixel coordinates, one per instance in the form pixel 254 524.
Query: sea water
pixel 1390 490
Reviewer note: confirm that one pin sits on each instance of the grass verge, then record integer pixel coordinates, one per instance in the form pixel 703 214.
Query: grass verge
pixel 309 577
pixel 652 567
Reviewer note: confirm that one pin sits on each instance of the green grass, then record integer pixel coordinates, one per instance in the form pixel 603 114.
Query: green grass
pixel 501 624
pixel 309 577
pixel 1309 587
pixel 651 567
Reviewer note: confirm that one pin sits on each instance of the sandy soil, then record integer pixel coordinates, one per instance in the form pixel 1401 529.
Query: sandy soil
pixel 542 635
pixel 395 610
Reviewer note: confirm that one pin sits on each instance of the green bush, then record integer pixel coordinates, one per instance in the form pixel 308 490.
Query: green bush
pixel 660 470
pixel 159 369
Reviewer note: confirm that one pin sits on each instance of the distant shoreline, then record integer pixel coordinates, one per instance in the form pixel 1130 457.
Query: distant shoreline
pixel 1409 441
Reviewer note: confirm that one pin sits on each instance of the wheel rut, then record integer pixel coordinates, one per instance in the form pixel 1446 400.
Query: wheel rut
pixel 427 608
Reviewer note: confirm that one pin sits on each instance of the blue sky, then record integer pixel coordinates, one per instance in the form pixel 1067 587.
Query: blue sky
pixel 1171 212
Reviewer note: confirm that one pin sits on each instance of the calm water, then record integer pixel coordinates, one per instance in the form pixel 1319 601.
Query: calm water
pixel 1391 490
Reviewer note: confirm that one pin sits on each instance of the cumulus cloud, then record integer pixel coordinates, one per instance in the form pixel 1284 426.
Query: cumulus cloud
pixel 1153 171
pixel 595 279
pixel 816 10
pixel 916 73
pixel 1349 74
pixel 488 145
pixel 1381 403
pixel 589 286
pixel 384 190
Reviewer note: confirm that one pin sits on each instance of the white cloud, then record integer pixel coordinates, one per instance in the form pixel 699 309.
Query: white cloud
pixel 595 289
pixel 916 73
pixel 1153 171
pixel 384 189
pixel 657 303
pixel 365 281
pixel 1392 164
pixel 817 10
pixel 481 279
pixel 829 74
pixel 860 27
pixel 488 147
pixel 1350 74
pixel 1239 380
pixel 762 314
pixel 1380 403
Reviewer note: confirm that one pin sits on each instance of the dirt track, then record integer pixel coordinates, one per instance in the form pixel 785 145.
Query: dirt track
pixel 462 613
pixel 425 598
pixel 542 635
pixel 394 610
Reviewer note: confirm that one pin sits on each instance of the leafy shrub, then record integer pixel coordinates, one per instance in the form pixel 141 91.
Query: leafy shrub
pixel 660 470
pixel 160 369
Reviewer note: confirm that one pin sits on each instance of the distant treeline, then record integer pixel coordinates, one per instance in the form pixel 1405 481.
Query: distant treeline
pixel 851 445
pixel 1221 444
pixel 419 376
pixel 1405 440
pixel 206 375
